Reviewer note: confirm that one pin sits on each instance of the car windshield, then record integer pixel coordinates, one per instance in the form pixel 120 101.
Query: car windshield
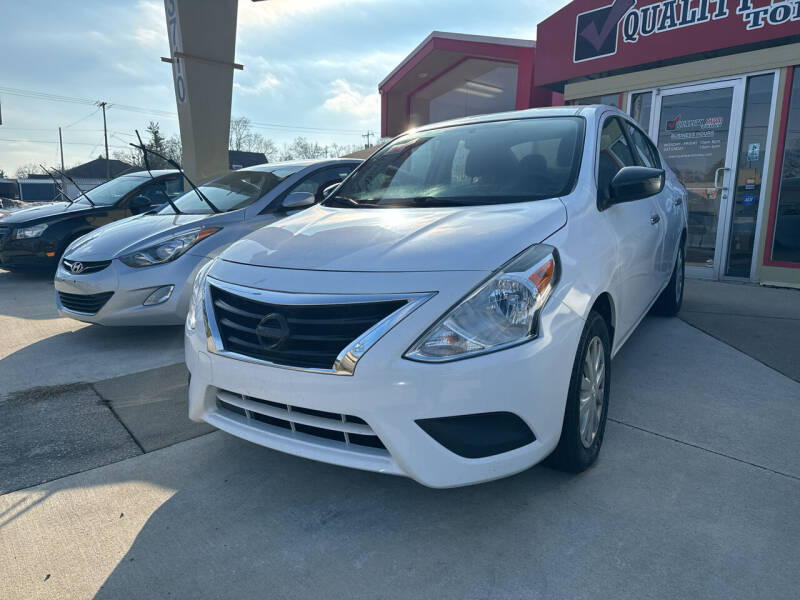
pixel 110 192
pixel 232 191
pixel 479 163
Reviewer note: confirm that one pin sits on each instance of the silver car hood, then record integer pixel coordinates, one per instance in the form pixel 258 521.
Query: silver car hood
pixel 122 237
pixel 400 239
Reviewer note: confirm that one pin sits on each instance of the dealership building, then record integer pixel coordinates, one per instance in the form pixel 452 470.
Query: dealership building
pixel 716 84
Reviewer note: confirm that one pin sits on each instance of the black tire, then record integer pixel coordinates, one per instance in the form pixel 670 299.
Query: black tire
pixel 572 453
pixel 670 301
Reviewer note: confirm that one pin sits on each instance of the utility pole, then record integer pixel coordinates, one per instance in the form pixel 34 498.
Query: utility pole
pixel 61 149
pixel 105 135
pixel 368 135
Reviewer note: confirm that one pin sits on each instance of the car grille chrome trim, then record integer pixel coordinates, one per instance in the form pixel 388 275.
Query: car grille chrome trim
pixel 84 304
pixel 352 432
pixel 86 266
pixel 383 311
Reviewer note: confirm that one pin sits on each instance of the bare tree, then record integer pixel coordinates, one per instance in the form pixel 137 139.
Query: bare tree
pixel 28 169
pixel 241 136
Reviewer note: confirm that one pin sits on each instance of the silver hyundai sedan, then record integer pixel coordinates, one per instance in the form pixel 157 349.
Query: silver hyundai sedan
pixel 139 271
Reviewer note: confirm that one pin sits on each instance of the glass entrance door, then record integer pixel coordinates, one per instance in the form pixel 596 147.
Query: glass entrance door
pixel 697 128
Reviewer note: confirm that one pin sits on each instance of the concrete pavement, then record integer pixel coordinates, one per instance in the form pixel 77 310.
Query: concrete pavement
pixel 694 496
pixel 41 349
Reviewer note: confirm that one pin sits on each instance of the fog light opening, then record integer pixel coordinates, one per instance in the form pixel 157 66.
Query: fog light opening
pixel 160 296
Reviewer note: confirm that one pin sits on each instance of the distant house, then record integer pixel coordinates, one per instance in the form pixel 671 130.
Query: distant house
pixel 238 159
pixel 96 169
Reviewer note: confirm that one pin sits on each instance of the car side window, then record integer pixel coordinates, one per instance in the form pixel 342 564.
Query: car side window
pixel 155 191
pixel 644 149
pixel 317 181
pixel 615 153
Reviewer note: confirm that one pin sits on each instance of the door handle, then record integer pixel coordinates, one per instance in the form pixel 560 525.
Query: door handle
pixel 716 178
pixel 655 219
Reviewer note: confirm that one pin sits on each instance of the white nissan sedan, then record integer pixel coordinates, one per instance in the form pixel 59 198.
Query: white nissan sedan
pixel 450 313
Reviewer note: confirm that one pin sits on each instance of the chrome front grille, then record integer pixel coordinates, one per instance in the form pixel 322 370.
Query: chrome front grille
pixel 80 267
pixel 320 332
pixel 285 419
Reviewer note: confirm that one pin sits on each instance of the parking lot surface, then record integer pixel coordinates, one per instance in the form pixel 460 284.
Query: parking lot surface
pixel 694 495
pixel 40 349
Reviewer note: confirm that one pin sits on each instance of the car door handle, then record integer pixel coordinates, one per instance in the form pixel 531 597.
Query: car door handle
pixel 655 219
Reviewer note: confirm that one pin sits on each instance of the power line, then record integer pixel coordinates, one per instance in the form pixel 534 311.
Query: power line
pixel 94 112
pixel 56 142
pixel 161 113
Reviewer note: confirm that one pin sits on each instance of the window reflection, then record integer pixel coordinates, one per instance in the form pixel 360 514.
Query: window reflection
pixel 476 86
pixel 786 240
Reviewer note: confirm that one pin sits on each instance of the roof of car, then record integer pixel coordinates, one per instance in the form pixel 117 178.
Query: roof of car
pixel 551 111
pixel 155 172
pixel 302 163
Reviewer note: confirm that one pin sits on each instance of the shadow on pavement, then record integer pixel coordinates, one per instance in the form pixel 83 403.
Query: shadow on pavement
pixel 92 353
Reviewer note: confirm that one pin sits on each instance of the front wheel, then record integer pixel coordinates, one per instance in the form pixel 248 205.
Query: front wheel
pixel 670 301
pixel 587 402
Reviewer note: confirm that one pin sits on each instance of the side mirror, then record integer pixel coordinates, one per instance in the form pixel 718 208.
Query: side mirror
pixel 635 183
pixel 329 189
pixel 140 204
pixel 297 200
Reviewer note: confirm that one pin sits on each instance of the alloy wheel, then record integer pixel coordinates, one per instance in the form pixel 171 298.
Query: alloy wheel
pixel 592 393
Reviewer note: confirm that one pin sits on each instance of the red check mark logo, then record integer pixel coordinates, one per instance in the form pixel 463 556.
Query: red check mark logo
pixel 673 124
pixel 598 38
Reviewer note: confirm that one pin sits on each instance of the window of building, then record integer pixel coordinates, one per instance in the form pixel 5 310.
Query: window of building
pixel 786 235
pixel 474 87
pixel 749 174
pixel 641 105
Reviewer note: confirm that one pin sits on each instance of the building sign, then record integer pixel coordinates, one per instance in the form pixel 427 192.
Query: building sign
pixel 628 33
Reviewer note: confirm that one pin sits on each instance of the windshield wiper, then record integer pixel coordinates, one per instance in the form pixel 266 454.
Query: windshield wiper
pixel 200 194
pixel 342 201
pixel 147 166
pixel 77 187
pixel 59 187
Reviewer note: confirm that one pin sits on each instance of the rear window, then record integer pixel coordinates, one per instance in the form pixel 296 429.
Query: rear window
pixel 481 163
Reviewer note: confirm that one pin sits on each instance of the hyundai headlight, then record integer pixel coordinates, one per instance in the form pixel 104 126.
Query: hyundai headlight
pixel 195 314
pixel 33 231
pixel 501 312
pixel 168 249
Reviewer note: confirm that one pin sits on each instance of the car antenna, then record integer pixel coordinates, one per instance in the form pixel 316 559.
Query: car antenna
pixel 147 166
pixel 72 181
pixel 58 185
pixel 200 194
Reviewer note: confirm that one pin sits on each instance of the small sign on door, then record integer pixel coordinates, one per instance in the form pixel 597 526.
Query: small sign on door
pixel 753 152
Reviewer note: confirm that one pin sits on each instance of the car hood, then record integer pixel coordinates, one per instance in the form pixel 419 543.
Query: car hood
pixel 479 238
pixel 127 235
pixel 44 212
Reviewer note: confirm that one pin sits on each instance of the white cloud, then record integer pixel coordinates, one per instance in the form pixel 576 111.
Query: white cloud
pixel 344 99
pixel 257 14
pixel 151 29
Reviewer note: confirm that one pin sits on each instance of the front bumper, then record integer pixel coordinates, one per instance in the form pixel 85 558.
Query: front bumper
pixel 131 287
pixel 31 253
pixel 390 394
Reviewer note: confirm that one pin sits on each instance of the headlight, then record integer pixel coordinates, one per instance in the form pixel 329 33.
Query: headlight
pixel 30 232
pixel 501 312
pixel 195 313
pixel 168 249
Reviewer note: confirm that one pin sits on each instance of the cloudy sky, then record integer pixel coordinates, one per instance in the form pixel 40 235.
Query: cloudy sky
pixel 308 64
